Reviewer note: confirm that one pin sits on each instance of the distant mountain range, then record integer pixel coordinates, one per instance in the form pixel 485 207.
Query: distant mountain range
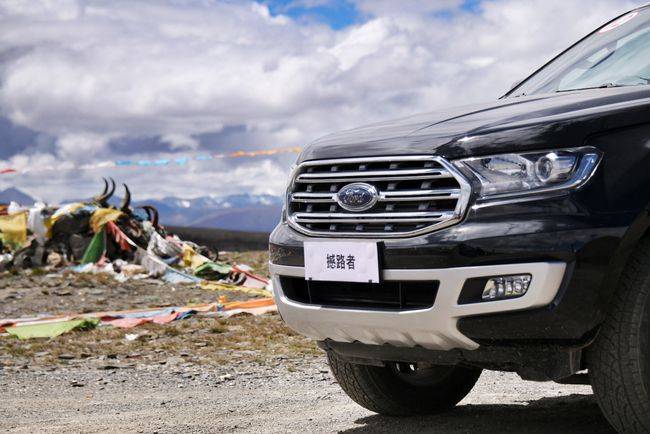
pixel 14 195
pixel 243 212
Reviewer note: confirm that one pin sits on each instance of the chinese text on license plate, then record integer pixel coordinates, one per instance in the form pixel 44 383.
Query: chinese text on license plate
pixel 342 261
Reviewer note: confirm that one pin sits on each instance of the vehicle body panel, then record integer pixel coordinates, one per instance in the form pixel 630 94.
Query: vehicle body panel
pixel 524 123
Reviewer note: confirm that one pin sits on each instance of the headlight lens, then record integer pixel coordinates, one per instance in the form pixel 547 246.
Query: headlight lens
pixel 508 175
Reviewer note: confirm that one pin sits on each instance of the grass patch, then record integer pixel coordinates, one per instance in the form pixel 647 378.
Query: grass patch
pixel 217 329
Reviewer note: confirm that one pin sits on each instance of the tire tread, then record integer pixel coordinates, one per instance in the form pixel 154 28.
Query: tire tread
pixel 367 387
pixel 614 361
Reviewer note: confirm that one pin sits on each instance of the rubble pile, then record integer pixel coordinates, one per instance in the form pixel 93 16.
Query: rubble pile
pixel 97 237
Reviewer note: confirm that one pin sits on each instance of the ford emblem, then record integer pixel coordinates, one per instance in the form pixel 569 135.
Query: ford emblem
pixel 358 196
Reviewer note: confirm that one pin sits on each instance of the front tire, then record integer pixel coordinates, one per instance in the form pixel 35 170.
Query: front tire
pixel 403 389
pixel 619 361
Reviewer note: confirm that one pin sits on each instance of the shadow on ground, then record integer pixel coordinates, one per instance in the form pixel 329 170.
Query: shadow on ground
pixel 572 413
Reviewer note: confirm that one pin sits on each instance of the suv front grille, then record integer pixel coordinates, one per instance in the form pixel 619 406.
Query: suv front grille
pixel 389 295
pixel 416 194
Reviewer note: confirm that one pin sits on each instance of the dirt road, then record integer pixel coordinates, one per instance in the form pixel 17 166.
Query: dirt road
pixel 240 398
pixel 241 374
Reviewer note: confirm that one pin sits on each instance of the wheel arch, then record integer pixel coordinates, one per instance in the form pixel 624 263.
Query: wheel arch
pixel 638 230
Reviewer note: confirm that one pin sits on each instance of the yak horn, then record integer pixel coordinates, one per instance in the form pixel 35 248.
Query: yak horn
pixel 147 211
pixel 152 213
pixel 127 199
pixel 105 187
pixel 101 195
pixel 103 199
pixel 110 192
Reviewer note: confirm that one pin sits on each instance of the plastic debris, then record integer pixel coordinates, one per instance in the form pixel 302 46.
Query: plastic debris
pixel 13 229
pixel 222 286
pixel 5 260
pixel 50 329
pixel 37 222
pixel 52 326
pixel 212 271
pixel 55 260
pixel 133 270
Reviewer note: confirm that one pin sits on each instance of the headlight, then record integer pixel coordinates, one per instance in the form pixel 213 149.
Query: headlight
pixel 287 193
pixel 509 175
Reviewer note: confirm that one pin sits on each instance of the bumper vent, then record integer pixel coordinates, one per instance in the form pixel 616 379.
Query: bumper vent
pixel 415 194
pixel 388 295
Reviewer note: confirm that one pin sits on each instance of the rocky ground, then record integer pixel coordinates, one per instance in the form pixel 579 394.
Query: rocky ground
pixel 243 373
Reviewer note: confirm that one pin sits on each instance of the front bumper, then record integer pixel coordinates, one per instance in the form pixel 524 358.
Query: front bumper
pixel 434 328
pixel 554 230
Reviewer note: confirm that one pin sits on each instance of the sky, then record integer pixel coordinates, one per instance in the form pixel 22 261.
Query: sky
pixel 85 81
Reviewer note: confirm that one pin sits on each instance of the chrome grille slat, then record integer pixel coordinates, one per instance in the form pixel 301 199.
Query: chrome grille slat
pixel 313 197
pixel 393 216
pixel 454 191
pixel 387 196
pixel 414 195
pixel 365 221
pixel 371 174
pixel 367 179
pixel 414 198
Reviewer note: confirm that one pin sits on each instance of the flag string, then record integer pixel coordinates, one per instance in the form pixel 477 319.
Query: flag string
pixel 161 162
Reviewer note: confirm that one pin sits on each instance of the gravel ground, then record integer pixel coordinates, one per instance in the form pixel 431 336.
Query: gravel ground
pixel 248 374
pixel 55 291
pixel 269 398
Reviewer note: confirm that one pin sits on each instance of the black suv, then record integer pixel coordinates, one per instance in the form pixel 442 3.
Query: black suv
pixel 512 236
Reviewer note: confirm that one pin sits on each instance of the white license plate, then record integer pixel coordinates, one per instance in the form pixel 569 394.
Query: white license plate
pixel 341 261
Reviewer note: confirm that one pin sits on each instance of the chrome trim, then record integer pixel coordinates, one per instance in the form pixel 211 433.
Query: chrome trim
pixel 451 193
pixel 455 216
pixel 366 160
pixel 380 178
pixel 302 195
pixel 433 328
pixel 508 201
pixel 371 174
pixel 387 196
pixel 362 216
pixel 371 220
pixel 286 270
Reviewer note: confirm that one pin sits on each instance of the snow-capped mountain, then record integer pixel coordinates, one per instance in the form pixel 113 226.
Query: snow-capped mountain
pixel 244 212
pixel 239 212
pixel 230 201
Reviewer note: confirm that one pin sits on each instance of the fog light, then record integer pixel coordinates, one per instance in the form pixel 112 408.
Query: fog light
pixel 499 288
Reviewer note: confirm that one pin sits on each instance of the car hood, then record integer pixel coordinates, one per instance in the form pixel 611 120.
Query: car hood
pixel 547 121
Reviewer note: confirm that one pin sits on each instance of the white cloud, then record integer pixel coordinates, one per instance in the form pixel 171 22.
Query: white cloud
pixel 180 141
pixel 392 7
pixel 80 146
pixel 88 71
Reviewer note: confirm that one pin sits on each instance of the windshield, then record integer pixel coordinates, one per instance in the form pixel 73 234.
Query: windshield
pixel 618 54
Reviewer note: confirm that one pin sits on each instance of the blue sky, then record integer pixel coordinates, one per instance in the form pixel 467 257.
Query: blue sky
pixel 336 14
pixel 339 14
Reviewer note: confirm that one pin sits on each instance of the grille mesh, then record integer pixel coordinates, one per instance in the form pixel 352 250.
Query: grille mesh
pixel 390 295
pixel 416 194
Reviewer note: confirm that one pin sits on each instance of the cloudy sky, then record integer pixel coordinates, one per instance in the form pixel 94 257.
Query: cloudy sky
pixel 84 81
